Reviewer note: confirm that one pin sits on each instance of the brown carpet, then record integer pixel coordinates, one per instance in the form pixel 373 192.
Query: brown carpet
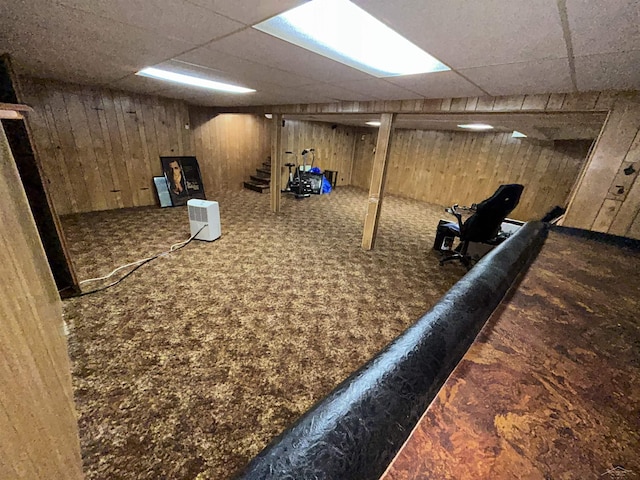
pixel 190 366
pixel 549 389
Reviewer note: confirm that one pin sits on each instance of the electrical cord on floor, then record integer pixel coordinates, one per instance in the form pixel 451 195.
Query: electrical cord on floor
pixel 138 264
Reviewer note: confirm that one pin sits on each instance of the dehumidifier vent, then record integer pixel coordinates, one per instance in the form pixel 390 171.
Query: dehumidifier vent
pixel 197 214
pixel 201 213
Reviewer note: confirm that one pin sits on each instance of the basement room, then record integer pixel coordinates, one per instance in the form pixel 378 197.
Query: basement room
pixel 320 239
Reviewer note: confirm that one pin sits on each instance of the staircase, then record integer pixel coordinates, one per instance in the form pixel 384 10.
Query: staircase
pixel 262 178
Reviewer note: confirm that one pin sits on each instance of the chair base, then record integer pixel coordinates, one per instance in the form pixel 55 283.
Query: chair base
pixel 466 260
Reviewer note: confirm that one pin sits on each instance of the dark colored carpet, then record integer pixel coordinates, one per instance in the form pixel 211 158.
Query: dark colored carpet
pixel 190 366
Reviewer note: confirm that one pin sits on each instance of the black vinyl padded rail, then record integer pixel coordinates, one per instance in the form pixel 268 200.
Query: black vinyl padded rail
pixel 354 432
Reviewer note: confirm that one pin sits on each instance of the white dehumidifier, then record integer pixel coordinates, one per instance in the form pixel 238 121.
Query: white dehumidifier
pixel 201 213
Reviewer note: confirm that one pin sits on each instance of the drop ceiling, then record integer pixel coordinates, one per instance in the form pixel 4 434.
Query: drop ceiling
pixel 545 126
pixel 494 47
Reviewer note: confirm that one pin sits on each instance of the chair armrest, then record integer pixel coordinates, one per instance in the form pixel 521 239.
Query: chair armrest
pixel 454 211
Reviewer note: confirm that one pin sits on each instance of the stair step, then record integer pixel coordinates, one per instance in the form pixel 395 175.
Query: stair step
pixel 259 179
pixel 263 176
pixel 267 165
pixel 256 187
pixel 264 171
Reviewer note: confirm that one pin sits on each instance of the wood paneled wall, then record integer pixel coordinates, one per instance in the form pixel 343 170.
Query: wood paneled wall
pixel 229 147
pixel 99 148
pixel 607 198
pixel 334 145
pixel 445 167
pixel 545 102
pixel 596 203
pixel 39 433
pixel 363 157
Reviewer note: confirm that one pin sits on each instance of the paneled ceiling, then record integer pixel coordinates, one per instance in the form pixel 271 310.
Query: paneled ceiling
pixel 494 47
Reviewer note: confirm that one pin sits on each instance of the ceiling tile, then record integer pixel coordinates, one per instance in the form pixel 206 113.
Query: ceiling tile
pixel 138 84
pixel 379 88
pixel 242 70
pixel 543 76
pixel 264 49
pixel 176 19
pixel 295 94
pixel 604 26
pixel 276 95
pixel 505 47
pixel 465 34
pixel 612 71
pixel 68 44
pixel 92 72
pixel 335 92
pixel 288 96
pixel 438 85
pixel 249 12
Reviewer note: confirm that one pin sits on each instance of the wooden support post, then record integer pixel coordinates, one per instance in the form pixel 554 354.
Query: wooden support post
pixel 37 415
pixel 276 162
pixel 378 174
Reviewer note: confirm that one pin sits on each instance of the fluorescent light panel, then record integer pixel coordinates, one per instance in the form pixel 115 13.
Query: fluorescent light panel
pixel 10 115
pixel 191 80
pixel 344 32
pixel 374 124
pixel 476 126
pixel 517 134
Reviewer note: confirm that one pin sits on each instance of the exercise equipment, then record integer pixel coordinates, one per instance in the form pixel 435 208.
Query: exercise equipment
pixel 302 183
pixel 289 165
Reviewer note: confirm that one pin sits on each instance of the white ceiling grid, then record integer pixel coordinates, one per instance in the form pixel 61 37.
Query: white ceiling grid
pixel 493 47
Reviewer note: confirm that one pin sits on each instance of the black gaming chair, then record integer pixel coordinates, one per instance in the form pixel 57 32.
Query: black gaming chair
pixel 484 225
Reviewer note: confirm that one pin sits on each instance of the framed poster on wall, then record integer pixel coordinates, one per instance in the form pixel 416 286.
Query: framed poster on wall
pixel 183 178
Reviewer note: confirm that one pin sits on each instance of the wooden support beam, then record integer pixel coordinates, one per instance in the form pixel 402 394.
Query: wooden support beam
pixel 378 174
pixel 276 162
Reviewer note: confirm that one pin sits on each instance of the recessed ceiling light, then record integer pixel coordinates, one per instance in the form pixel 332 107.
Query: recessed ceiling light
pixel 517 134
pixel 476 126
pixel 191 80
pixel 374 124
pixel 10 115
pixel 344 32
pixel 268 115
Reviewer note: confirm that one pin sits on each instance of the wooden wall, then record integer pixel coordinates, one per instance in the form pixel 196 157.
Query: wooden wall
pixel 99 148
pixel 543 102
pixel 334 146
pixel 445 167
pixel 607 198
pixel 364 150
pixel 229 147
pixel 39 434
pixel 596 203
